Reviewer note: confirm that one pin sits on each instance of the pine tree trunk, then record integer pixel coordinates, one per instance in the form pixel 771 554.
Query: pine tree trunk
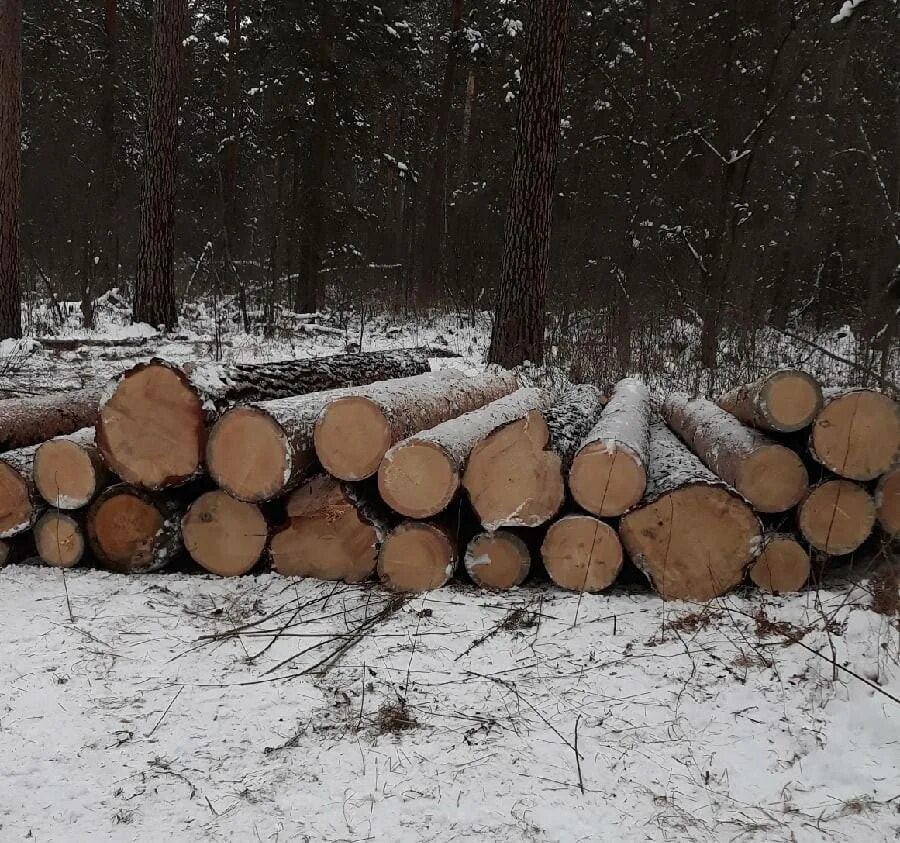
pixel 229 157
pixel 518 332
pixel 154 295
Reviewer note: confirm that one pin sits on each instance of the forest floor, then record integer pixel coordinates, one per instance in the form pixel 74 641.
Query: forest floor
pixel 190 707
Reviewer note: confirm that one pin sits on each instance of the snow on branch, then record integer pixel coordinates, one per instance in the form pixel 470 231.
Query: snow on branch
pixel 847 10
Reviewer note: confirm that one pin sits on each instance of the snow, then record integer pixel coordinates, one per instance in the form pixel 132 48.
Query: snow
pixel 847 9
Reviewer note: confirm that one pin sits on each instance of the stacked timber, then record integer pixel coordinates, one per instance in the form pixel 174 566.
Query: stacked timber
pixel 28 421
pixel 784 401
pixel 497 560
pixel 20 503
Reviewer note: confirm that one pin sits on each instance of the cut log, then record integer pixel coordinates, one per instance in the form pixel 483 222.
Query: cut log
pixel 353 433
pixel 836 516
pixel 571 418
pixel 692 535
pixel 18 549
pixel 887 502
pixel 857 433
pixel 59 539
pixel 151 426
pixel 28 421
pixel 333 532
pixel 68 470
pixel 498 560
pixel 609 470
pixel 420 475
pixel 19 507
pixel 782 566
pixel 770 476
pixel 417 556
pixel 259 451
pixel 223 535
pixel 131 531
pixel 781 402
pixel 582 553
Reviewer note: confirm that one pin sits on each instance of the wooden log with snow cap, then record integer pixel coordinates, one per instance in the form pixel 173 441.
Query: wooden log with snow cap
pixel 59 538
pixel 497 560
pixel 223 535
pixel 609 471
pixel 836 517
pixel 782 565
pixel 770 476
pixel 784 401
pixel 582 553
pixel 417 556
pixel 354 432
pixel 333 532
pixel 692 534
pixel 28 421
pixel 887 501
pixel 69 471
pixel 258 451
pixel 572 416
pixel 152 420
pixel 857 433
pixel 133 531
pixel 20 503
pixel 514 481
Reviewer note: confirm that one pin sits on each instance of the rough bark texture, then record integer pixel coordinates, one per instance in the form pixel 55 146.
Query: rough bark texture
pixel 571 418
pixel 770 476
pixel 582 553
pixel 27 421
pixel 19 500
pixel 59 538
pixel 887 501
pixel 856 433
pixel 692 535
pixel 836 517
pixel 10 166
pixel 518 332
pixel 133 532
pixel 608 474
pixel 417 556
pixel 154 295
pixel 69 471
pixel 497 560
pixel 782 566
pixel 784 401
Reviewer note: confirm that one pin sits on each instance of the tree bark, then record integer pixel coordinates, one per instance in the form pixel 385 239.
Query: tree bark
pixel 28 421
pixel 571 418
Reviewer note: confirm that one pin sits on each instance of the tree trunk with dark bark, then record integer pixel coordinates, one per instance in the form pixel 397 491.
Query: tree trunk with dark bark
pixel 28 421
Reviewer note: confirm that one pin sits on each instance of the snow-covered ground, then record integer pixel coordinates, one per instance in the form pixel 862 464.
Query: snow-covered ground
pixel 187 707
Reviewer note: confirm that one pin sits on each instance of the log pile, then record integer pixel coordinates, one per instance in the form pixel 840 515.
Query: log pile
pixel 371 465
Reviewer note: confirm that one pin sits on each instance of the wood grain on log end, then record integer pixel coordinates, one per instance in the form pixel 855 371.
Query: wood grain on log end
pixel 351 437
pixel 836 517
pixel 887 502
pixel 773 478
pixel 582 553
pixel 416 557
pixel 418 479
pixel 59 539
pixel 607 479
pixel 782 566
pixel 498 560
pixel 792 399
pixel 68 474
pixel 223 535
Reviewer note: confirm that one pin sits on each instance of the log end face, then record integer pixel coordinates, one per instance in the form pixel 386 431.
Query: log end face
pixel 123 529
pixel 351 437
pixel 791 398
pixel 416 557
pixel 606 479
pixel 773 478
pixel 887 502
pixel 64 474
pixel 837 517
pixel 418 479
pixel 223 535
pixel 782 567
pixel 59 539
pixel 17 510
pixel 498 561
pixel 582 553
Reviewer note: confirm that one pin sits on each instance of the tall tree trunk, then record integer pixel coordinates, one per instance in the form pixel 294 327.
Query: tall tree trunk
pixel 518 332
pixel 10 166
pixel 229 162
pixel 154 294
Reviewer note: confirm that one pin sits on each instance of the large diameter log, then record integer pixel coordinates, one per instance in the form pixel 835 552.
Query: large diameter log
pixel 131 531
pixel 782 566
pixel 836 516
pixel 19 507
pixel 497 560
pixel 692 535
pixel 68 470
pixel 152 420
pixel 857 433
pixel 223 535
pixel 571 418
pixel 887 501
pixel 784 401
pixel 770 476
pixel 353 433
pixel 59 539
pixel 419 476
pixel 417 556
pixel 333 532
pixel 582 553
pixel 28 421
pixel 608 474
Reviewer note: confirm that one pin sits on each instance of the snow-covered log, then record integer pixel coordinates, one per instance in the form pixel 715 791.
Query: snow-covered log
pixel 333 532
pixel 782 566
pixel 497 560
pixel 69 471
pixel 132 531
pixel 609 470
pixel 420 475
pixel 836 517
pixel 770 476
pixel 887 501
pixel 692 535
pixel 353 433
pixel 417 556
pixel 59 538
pixel 20 503
pixel 223 535
pixel 582 553
pixel 152 420
pixel 857 433
pixel 571 418
pixel 782 402
pixel 28 421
